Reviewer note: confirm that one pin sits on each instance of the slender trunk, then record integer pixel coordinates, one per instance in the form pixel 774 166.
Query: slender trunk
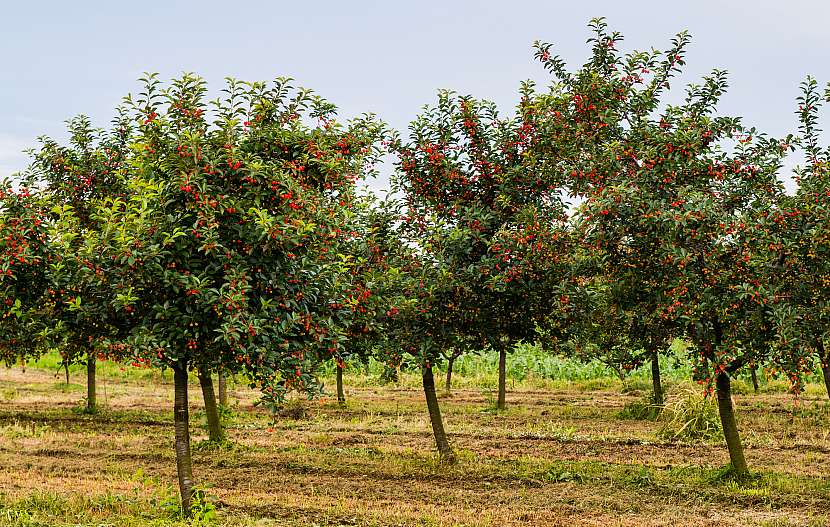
pixel 754 374
pixel 66 371
pixel 181 420
pixel 23 364
pixel 91 392
pixel 824 357
pixel 825 371
pixel 444 449
pixel 448 384
pixel 215 432
pixel 502 401
pixel 341 395
pixel 657 385
pixel 730 425
pixel 223 388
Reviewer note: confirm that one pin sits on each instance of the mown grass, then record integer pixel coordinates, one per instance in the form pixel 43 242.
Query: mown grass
pixel 559 455
pixel 153 503
pixel 689 484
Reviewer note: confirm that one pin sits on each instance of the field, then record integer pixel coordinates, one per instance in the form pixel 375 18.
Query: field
pixel 562 454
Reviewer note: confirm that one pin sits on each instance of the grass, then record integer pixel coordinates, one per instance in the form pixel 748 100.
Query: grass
pixel 559 455
pixel 642 408
pixel 106 370
pixel 690 416
pixel 530 368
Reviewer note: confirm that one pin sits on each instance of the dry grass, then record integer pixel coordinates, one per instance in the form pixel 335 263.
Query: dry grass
pixel 556 457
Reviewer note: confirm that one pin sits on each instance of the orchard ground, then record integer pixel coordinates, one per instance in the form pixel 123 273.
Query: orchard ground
pixel 562 454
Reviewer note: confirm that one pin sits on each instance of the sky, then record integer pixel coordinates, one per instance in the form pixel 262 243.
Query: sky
pixel 388 57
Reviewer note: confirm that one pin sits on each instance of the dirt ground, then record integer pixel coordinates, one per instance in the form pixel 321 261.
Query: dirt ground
pixel 553 458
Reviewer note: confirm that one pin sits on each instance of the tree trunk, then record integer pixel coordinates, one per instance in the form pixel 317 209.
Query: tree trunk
pixel 91 391
pixel 730 425
pixel 448 384
pixel 444 449
pixel 824 358
pixel 657 385
pixel 754 374
pixel 223 388
pixel 825 370
pixel 341 395
pixel 215 432
pixel 181 420
pixel 66 371
pixel 23 364
pixel 502 400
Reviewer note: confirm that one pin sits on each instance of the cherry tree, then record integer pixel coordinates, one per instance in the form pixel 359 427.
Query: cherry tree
pixel 24 259
pixel 225 246
pixel 801 242
pixel 72 180
pixel 678 205
pixel 496 230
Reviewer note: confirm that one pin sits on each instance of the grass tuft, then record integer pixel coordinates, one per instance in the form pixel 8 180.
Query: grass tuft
pixel 690 416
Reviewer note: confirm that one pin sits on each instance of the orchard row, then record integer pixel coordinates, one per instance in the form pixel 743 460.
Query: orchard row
pixel 597 220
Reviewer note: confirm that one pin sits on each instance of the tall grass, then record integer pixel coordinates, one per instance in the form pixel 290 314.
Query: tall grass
pixel 531 367
pixel 527 366
pixel 52 361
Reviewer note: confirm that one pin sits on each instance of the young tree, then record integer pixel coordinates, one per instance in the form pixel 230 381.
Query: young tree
pixel 411 303
pixel 422 325
pixel 496 228
pixel 368 291
pixel 609 328
pixel 803 241
pixel 678 201
pixel 227 239
pixel 72 179
pixel 24 258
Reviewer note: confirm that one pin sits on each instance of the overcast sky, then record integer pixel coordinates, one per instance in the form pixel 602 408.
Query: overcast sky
pixel 389 57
